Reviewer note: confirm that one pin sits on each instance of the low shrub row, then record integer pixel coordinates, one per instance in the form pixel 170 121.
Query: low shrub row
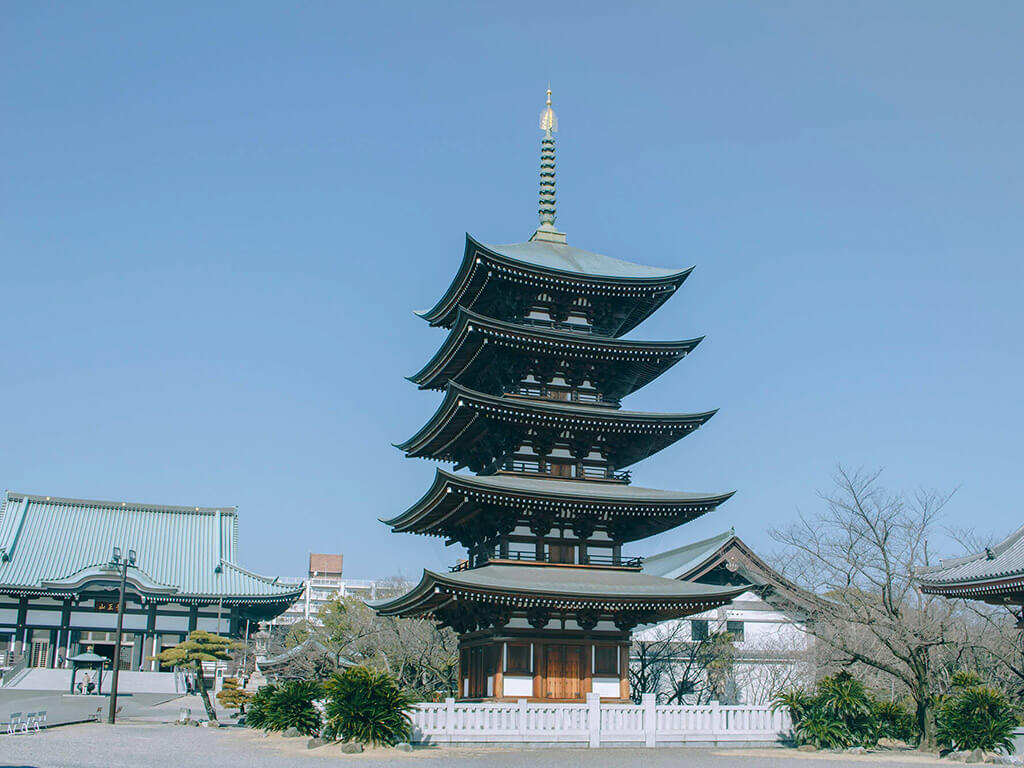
pixel 841 712
pixel 359 704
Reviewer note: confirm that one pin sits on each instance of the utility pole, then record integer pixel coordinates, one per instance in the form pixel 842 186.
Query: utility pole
pixel 123 565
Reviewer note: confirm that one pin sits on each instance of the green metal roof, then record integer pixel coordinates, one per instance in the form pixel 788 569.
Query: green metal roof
pixel 676 563
pixel 62 544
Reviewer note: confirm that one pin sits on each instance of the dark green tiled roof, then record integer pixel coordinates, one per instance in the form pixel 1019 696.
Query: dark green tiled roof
pixel 612 589
pixel 972 574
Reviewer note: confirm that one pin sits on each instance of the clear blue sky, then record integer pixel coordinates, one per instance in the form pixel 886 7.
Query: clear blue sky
pixel 217 219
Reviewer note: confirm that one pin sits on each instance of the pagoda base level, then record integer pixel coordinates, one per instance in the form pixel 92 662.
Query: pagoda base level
pixel 543 666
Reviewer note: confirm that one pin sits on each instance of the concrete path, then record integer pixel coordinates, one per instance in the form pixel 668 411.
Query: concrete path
pixel 65 708
pixel 145 745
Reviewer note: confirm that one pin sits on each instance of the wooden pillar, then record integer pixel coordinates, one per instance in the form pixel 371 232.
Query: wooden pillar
pixel 499 670
pixel 538 669
pixel 193 617
pixel 624 672
pixel 588 668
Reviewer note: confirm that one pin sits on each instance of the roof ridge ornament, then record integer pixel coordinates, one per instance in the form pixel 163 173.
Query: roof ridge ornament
pixel 546 232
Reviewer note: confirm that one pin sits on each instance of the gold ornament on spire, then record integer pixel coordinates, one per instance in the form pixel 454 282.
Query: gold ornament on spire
pixel 548 119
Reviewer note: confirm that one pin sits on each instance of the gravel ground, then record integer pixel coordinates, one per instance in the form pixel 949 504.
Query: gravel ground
pixel 141 745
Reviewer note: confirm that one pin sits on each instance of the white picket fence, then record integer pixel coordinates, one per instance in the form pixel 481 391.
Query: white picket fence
pixel 595 723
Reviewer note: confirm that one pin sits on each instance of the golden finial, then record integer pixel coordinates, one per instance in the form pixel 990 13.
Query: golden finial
pixel 548 120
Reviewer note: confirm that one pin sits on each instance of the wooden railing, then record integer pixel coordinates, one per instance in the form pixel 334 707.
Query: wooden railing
pixel 595 723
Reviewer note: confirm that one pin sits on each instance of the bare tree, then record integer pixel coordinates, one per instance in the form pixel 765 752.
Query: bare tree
pixel 858 556
pixel 665 661
pixel 779 663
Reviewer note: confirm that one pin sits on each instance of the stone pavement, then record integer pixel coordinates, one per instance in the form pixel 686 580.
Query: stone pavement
pixel 65 708
pixel 144 744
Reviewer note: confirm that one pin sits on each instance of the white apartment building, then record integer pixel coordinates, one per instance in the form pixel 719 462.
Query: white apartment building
pixel 323 583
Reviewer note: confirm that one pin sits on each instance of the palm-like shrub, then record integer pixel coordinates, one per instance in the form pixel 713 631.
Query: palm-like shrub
pixel 796 700
pixel 846 700
pixel 257 717
pixel 977 717
pixel 839 713
pixel 894 721
pixel 820 729
pixel 292 706
pixel 284 706
pixel 366 705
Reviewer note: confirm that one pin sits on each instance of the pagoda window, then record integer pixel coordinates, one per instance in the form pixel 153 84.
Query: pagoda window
pixel 606 660
pixel 518 657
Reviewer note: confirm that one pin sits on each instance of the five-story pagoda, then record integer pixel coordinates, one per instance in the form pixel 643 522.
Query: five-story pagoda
pixel 533 371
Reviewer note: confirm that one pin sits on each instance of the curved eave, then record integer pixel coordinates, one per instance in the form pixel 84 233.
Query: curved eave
pixel 434 590
pixel 477 256
pixel 431 512
pixel 473 328
pixel 462 403
pixel 987 589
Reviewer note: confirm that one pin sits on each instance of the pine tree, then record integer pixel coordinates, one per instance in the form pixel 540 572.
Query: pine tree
pixel 233 697
pixel 201 646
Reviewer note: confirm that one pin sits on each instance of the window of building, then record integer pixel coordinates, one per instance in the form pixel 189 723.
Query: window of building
pixel 735 628
pixel 518 662
pixel 606 660
pixel 698 629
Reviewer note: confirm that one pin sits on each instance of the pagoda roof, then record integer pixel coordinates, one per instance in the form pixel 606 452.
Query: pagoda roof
pixel 554 266
pixel 562 257
pixel 996 574
pixel 464 414
pixel 51 545
pixel 472 336
pixel 552 586
pixel 454 498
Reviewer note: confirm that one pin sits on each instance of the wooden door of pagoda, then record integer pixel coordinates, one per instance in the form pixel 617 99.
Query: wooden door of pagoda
pixel 562 665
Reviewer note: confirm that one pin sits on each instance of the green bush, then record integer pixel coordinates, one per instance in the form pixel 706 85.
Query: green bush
pixel 846 700
pixel 838 714
pixel 820 729
pixel 895 721
pixel 796 700
pixel 256 716
pixel 976 717
pixel 284 706
pixel 367 706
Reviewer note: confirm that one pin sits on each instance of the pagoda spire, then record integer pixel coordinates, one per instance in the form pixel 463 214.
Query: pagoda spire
pixel 546 231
